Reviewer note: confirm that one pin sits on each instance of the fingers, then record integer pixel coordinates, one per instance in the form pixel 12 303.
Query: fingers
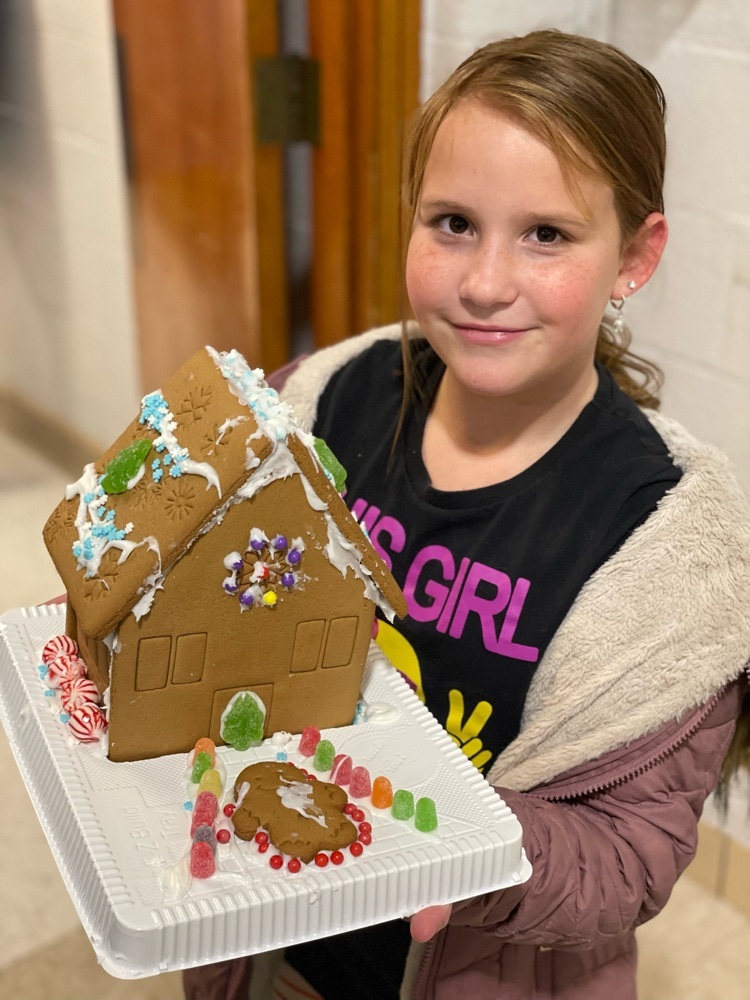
pixel 426 923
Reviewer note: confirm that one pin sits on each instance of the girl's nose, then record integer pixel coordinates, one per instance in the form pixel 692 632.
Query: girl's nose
pixel 489 279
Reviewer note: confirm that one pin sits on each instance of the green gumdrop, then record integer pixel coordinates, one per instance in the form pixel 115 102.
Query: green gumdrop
pixel 331 464
pixel 201 764
pixel 403 805
pixel 425 815
pixel 243 724
pixel 125 466
pixel 324 754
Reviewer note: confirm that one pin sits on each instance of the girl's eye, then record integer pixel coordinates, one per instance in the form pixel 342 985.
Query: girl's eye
pixel 547 235
pixel 455 224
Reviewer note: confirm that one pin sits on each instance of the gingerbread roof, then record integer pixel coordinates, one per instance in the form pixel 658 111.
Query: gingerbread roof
pixel 218 434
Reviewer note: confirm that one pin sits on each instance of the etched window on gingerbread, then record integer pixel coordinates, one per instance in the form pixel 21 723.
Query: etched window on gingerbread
pixel 307 642
pixel 152 664
pixel 189 658
pixel 340 642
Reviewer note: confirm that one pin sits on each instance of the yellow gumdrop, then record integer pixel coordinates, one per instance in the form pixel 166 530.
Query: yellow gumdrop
pixel 211 782
pixel 269 598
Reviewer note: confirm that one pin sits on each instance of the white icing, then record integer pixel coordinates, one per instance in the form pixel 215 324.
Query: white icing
pixel 228 424
pixel 137 477
pixel 381 711
pixel 297 795
pixel 342 554
pixel 273 416
pixel 280 738
pixel 176 880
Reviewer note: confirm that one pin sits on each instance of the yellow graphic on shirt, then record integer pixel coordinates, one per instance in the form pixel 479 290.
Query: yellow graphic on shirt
pixel 465 735
pixel 401 654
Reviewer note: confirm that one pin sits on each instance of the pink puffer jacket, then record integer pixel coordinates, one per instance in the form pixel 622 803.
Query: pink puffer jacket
pixel 607 843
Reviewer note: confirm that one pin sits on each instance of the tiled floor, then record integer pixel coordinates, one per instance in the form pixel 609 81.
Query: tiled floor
pixel 698 949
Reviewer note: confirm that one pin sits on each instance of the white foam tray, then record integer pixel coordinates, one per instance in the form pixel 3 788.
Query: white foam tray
pixel 117 831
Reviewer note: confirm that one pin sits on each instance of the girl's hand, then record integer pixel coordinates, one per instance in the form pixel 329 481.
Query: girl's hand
pixel 426 923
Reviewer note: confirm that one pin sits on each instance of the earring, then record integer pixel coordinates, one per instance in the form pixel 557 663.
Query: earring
pixel 618 325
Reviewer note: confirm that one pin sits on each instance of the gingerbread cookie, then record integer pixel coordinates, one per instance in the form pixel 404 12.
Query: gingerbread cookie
pixel 302 817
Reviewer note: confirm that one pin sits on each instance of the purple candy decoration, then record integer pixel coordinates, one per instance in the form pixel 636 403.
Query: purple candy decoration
pixel 231 588
pixel 246 599
pixel 280 542
pixel 294 557
pixel 237 565
pixel 257 544
pixel 287 579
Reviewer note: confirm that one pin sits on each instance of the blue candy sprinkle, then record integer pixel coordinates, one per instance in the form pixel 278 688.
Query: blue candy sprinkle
pixel 88 497
pixel 187 806
pixel 281 755
pixel 49 693
pixel 64 717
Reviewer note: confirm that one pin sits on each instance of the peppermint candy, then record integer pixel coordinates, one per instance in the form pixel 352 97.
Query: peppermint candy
pixel 64 668
pixel 87 723
pixel 59 644
pixel 77 693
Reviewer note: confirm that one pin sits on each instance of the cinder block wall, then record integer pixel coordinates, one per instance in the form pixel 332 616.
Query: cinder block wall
pixel 694 316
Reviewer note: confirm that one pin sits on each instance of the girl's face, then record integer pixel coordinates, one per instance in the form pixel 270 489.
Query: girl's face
pixel 507 274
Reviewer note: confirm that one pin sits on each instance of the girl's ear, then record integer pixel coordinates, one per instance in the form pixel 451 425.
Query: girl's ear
pixel 641 255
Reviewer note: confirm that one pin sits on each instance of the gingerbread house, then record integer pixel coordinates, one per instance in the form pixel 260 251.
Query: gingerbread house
pixel 208 552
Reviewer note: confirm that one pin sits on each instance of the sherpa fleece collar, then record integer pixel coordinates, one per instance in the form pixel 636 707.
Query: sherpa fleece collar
pixel 661 627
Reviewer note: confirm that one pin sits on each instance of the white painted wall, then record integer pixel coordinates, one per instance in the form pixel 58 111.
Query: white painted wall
pixel 67 334
pixel 694 316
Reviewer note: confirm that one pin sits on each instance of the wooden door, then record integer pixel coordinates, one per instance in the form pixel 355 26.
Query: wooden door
pixel 201 190
pixel 207 198
pixel 368 52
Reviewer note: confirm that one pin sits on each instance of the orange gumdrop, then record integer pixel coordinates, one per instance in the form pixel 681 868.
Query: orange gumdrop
pixel 206 745
pixel 382 793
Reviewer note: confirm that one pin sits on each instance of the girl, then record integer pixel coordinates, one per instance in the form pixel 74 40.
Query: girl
pixel 577 567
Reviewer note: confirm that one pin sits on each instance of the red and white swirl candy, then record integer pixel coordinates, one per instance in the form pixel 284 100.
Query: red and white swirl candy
pixel 87 723
pixel 64 668
pixel 59 644
pixel 77 693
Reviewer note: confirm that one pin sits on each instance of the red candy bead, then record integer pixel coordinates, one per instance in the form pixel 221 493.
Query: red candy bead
pixel 350 808
pixel 365 827
pixel 356 848
pixel 262 848
pixel 358 815
pixel 276 861
pixel 365 838
pixel 321 859
pixel 294 865
pixel 337 858
pixel 223 835
pixel 229 808
pixel 261 837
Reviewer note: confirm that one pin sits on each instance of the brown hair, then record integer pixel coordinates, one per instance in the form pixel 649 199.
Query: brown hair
pixel 599 111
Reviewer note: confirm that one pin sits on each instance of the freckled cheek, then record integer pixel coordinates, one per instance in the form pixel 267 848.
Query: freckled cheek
pixel 427 278
pixel 572 298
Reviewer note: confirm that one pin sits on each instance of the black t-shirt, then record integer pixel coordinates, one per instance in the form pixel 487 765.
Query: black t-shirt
pixel 489 574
